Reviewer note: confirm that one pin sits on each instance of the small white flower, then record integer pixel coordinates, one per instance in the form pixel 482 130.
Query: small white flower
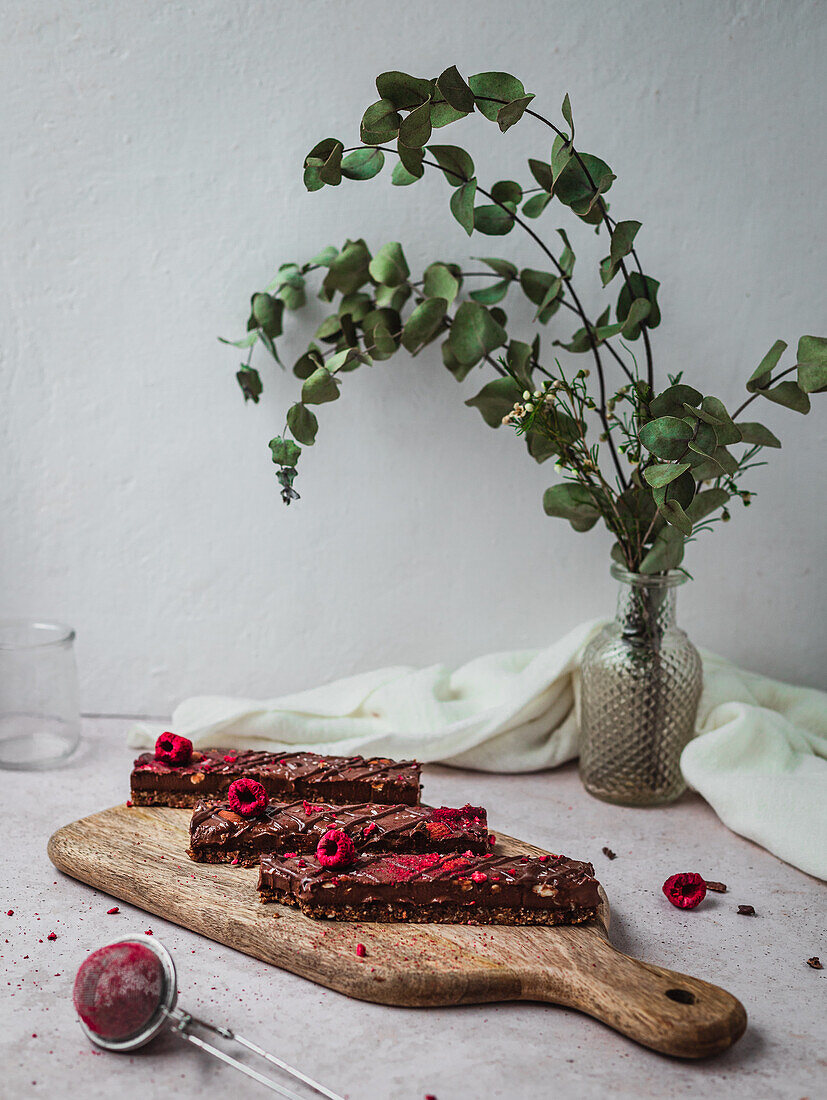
pixel 526 395
pixel 529 408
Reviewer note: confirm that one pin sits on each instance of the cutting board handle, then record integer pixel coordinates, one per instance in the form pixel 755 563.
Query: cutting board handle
pixel 662 1009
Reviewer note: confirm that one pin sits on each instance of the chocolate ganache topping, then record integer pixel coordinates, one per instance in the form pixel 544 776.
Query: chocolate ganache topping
pixel 300 825
pixel 527 882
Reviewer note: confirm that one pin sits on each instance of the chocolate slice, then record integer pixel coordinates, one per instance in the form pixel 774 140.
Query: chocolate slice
pixel 285 776
pixel 219 835
pixel 447 889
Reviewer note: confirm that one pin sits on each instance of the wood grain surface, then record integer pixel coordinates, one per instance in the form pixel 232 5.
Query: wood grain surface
pixel 138 855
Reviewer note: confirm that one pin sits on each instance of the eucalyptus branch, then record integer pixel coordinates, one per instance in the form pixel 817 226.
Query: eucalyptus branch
pixel 678 440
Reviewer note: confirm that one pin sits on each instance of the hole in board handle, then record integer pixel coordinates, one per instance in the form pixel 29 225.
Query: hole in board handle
pixel 682 996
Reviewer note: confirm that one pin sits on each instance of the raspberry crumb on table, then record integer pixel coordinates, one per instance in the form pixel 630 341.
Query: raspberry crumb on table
pixel 360 950
pixel 114 909
pixel 52 936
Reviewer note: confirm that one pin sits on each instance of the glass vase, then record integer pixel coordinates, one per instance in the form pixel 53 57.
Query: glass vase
pixel 641 683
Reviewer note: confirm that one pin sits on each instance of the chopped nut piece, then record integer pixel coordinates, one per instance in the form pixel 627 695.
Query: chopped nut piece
pixel 716 887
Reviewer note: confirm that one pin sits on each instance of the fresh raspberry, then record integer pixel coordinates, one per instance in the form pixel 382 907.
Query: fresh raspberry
pixel 247 797
pixel 336 849
pixel 172 749
pixel 685 891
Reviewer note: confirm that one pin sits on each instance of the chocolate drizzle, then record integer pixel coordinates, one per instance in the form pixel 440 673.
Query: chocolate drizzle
pixel 285 775
pixel 518 882
pixel 215 830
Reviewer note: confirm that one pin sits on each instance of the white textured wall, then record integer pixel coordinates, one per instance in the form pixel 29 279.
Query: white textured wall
pixel 152 155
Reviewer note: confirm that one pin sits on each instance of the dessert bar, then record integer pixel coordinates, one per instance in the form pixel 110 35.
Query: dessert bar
pixel 447 889
pixel 220 835
pixel 208 773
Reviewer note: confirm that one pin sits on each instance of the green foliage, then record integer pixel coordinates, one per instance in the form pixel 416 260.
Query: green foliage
pixel 655 466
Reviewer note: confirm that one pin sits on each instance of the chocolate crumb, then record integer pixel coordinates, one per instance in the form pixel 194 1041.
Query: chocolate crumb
pixel 815 962
pixel 716 887
pixel 746 910
pixel 609 854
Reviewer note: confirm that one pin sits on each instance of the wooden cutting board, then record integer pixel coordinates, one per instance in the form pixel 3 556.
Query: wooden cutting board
pixel 138 855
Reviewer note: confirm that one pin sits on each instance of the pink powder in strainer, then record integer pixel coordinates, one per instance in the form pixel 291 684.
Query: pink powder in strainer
pixel 118 989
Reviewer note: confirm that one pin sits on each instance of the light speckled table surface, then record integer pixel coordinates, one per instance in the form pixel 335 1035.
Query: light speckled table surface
pixel 372 1052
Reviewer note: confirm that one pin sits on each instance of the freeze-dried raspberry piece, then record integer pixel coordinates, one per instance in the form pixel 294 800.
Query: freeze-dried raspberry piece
pixel 247 797
pixel 479 876
pixel 336 849
pixel 686 890
pixel 172 749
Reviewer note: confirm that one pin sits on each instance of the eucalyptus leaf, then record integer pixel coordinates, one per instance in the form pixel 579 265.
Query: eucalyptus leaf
pixel 639 286
pixel 474 333
pixel 811 361
pixel 462 205
pixel 666 437
pixel 790 395
pixel 402 90
pixel 284 451
pixel 518 358
pixel 401 177
pixel 302 423
pixel 490 295
pixel 492 90
pixel 495 400
pixel 456 164
pixel 760 377
pixel 415 130
pixel 565 111
pixel 535 205
pixel 494 221
pixel 512 112
pixel 350 269
pixel 666 552
pixel 623 236
pixel 380 122
pixel 671 402
pixel 439 282
pixel 455 91
pixel 326 256
pixel 674 514
pixel 249 380
pixel 705 503
pixel 320 388
pixel 726 431
pixel 383 330
pixel 389 265
pixel 638 312
pixel 561 154
pixel 363 164
pixel 507 191
pixel 307 363
pixel 423 324
pixel 574 502
pixel 313 174
pixel 658 476
pixel 502 267
pixel 442 113
pixel 753 432
pixel 245 342
pixel 268 312
pixel 542 173
pixel 459 370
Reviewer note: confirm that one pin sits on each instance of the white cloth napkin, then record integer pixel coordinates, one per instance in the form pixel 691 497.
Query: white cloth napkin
pixel 759 757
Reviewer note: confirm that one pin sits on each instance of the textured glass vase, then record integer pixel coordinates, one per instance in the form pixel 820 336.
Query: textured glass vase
pixel 641 682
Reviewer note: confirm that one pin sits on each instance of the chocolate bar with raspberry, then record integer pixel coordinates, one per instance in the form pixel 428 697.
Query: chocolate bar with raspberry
pixel 208 773
pixel 220 835
pixel 435 888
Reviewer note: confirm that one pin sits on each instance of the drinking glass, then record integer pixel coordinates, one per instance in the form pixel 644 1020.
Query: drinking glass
pixel 39 709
